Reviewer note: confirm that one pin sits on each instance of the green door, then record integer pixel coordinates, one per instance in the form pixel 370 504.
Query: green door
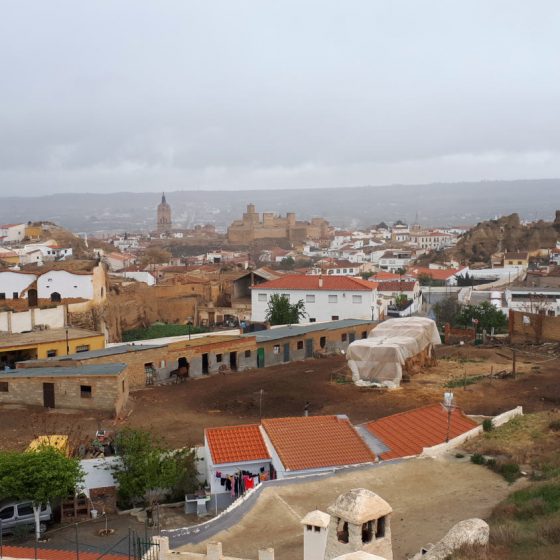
pixel 260 357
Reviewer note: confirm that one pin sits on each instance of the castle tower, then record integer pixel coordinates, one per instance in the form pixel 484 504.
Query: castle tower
pixel 163 216
pixel 360 521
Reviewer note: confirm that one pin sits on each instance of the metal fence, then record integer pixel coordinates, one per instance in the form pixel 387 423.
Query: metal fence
pixel 134 545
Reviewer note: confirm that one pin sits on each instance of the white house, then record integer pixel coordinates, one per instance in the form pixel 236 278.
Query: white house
pixel 433 240
pixel 333 267
pixel 12 233
pixel 326 298
pixel 13 284
pixel 395 260
pixel 60 284
pixel 118 261
pixel 391 290
pixel 139 276
pixel 545 301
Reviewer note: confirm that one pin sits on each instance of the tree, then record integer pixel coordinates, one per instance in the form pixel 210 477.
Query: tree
pixel 147 471
pixel 288 263
pixel 485 315
pixel 281 312
pixel 41 476
pixel 446 311
pixel 155 255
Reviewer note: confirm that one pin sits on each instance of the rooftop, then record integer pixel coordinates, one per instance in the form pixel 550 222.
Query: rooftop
pixel 407 433
pixel 110 351
pixel 327 283
pixel 315 442
pixel 277 333
pixel 396 286
pixel 434 273
pixel 235 444
pixel 77 371
pixel 39 337
pixel 317 518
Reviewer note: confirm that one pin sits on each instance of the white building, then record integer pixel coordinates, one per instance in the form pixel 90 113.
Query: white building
pixel 13 284
pixel 326 298
pixel 392 290
pixel 545 301
pixel 394 260
pixel 433 240
pixel 12 233
pixel 333 267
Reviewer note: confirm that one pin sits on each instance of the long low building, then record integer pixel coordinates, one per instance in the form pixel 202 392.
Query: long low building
pixel 98 387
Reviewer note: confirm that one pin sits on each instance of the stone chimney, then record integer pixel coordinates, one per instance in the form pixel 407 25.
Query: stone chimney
pixel 266 554
pixel 320 281
pixel 214 551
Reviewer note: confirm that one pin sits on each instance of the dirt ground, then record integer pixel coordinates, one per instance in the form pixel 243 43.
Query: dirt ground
pixel 428 497
pixel 181 412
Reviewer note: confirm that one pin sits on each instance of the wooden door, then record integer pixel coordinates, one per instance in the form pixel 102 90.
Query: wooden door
pixel 48 395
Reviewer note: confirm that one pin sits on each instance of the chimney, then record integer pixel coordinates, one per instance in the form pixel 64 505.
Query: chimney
pixel 214 551
pixel 320 281
pixel 266 554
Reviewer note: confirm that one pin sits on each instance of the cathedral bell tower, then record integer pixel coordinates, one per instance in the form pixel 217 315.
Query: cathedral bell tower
pixel 163 216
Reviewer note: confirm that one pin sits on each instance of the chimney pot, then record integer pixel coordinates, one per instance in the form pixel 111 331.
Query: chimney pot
pixel 214 551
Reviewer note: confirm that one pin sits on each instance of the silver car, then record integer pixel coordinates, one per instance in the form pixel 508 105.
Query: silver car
pixel 16 514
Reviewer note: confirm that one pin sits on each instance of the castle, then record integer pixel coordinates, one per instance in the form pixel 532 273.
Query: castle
pixel 251 227
pixel 163 216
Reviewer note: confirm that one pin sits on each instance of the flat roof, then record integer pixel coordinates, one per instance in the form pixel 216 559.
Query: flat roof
pixel 299 330
pixel 77 371
pixel 49 335
pixel 112 351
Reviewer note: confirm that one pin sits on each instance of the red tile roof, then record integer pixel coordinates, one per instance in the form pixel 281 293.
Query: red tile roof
pixel 313 442
pixel 436 274
pixel 396 286
pixel 382 275
pixel 52 554
pixel 235 444
pixel 311 282
pixel 407 433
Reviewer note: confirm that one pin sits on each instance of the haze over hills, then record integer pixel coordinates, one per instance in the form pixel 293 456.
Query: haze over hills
pixel 435 204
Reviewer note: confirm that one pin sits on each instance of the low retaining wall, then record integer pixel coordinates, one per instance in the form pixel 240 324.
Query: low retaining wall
pixel 438 450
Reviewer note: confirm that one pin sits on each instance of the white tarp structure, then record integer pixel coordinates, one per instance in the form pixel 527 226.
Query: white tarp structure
pixel 380 358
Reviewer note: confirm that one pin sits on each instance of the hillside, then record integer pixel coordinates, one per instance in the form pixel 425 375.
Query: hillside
pixel 505 234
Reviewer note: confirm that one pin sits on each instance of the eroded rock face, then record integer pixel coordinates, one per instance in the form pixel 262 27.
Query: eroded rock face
pixel 468 532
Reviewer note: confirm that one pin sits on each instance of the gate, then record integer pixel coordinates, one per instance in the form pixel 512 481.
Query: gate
pixel 142 547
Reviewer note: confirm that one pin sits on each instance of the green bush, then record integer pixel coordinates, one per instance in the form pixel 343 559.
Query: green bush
pixel 549 493
pixel 478 459
pixel 487 425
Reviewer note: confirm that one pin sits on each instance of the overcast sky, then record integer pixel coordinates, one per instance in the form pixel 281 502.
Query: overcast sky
pixel 179 94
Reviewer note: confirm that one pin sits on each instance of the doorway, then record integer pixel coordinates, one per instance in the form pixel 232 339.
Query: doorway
pixel 351 337
pixel 287 352
pixel 260 357
pixel 32 297
pixel 309 348
pixel 48 395
pixel 205 364
pixel 233 361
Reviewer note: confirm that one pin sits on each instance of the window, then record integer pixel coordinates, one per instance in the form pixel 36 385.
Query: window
pixel 218 358
pixel 342 531
pixel 323 341
pixel 15 295
pixel 344 270
pixel 310 298
pixel 364 334
pixel 123 385
pixel 300 344
pixel 2 295
pixel 287 296
pixel 82 348
pixel 312 319
pixel 25 509
pixel 247 353
pixel 343 337
pixel 51 353
pixel 333 298
pixel 85 391
pixel 356 299
pixel 380 531
pixel 367 531
pixel 334 317
pixel 276 349
pixel 7 512
pixel 4 387
pixel 309 527
pixel 262 297
pixel 317 529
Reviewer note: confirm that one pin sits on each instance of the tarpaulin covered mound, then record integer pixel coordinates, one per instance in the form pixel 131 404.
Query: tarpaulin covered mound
pixel 392 346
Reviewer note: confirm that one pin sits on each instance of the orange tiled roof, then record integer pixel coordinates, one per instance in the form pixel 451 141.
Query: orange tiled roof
pixel 234 444
pixel 312 442
pixel 407 433
pixel 436 274
pixel 330 283
pixel 396 286
pixel 52 554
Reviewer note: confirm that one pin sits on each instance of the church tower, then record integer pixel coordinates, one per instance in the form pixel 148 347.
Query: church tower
pixel 163 216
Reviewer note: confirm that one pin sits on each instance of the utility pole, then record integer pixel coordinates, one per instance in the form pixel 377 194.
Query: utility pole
pixel 513 364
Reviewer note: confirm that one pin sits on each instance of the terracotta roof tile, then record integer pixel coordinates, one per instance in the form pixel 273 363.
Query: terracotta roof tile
pixel 53 554
pixel 234 444
pixel 312 442
pixel 407 433
pixel 436 274
pixel 396 286
pixel 308 282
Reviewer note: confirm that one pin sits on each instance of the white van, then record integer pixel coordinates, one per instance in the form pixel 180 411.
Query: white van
pixel 15 514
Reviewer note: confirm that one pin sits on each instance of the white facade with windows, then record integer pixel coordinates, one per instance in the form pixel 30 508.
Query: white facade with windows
pixel 13 284
pixel 67 284
pixel 322 304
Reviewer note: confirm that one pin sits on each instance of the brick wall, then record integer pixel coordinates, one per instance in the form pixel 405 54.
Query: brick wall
pixel 531 327
pixel 107 392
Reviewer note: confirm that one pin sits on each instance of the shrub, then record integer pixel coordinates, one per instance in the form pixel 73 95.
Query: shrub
pixel 459 455
pixel 548 531
pixel 510 471
pixel 488 425
pixel 505 534
pixel 549 493
pixel 478 459
pixel 554 425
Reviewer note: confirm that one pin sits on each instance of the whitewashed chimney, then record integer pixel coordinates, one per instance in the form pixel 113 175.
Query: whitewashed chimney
pixel 214 551
pixel 315 526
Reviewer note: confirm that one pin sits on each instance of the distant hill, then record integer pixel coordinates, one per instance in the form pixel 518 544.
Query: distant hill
pixel 434 204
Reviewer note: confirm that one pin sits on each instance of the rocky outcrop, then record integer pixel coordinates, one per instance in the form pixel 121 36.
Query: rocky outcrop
pixel 470 532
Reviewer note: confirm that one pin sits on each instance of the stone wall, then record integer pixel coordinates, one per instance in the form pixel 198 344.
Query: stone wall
pixel 109 393
pixel 533 328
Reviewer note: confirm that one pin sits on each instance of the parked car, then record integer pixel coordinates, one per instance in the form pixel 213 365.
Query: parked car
pixel 16 514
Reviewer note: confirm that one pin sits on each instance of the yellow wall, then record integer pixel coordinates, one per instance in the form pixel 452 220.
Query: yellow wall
pixel 96 342
pixel 11 260
pixel 33 232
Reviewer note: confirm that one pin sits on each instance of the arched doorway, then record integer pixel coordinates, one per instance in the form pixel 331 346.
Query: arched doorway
pixel 32 297
pixel 55 296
